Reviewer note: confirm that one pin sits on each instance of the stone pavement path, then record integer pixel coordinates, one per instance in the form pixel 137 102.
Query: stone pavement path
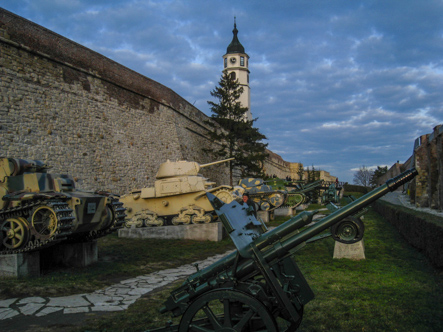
pixel 114 298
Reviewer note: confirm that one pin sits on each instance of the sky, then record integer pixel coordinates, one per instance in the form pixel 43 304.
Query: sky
pixel 335 85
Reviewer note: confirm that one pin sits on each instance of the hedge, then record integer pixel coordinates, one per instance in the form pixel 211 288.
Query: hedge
pixel 423 231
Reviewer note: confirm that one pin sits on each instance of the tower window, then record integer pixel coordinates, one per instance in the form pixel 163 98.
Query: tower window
pixel 226 62
pixel 233 76
pixel 242 61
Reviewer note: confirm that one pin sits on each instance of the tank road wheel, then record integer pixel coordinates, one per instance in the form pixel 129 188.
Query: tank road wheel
pixel 44 221
pixel 224 195
pixel 204 219
pixel 226 311
pixel 15 233
pixel 264 206
pixel 178 221
pixel 276 199
pixel 349 230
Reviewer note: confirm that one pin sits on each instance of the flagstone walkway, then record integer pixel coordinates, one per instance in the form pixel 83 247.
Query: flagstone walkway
pixel 114 298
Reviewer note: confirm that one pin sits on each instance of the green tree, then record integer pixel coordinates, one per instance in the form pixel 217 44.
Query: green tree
pixel 237 137
pixel 379 172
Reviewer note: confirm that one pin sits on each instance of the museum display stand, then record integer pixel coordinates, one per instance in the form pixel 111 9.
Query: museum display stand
pixel 285 211
pixel 201 232
pixel 31 263
pixel 354 251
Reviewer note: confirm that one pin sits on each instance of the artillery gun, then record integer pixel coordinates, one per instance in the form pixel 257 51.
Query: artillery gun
pixel 178 195
pixel 330 194
pixel 266 198
pixel 260 287
pixel 39 209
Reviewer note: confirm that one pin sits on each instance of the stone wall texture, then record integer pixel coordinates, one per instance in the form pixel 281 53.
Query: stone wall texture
pixel 88 116
pixel 426 189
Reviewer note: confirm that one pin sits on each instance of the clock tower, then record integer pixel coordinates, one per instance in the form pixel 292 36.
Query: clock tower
pixel 235 63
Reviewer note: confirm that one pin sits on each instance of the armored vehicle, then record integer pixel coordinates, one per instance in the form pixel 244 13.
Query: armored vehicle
pixel 263 195
pixel 297 192
pixel 39 209
pixel 178 196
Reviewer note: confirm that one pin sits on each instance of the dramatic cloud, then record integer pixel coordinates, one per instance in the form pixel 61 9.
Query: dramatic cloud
pixel 335 84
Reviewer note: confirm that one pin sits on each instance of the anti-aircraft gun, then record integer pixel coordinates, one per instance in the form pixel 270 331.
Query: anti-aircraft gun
pixel 39 209
pixel 178 195
pixel 259 287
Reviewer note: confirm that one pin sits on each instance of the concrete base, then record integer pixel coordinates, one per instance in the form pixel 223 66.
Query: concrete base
pixel 200 232
pixel 31 263
pixel 20 265
pixel 69 254
pixel 354 251
pixel 302 207
pixel 263 215
pixel 284 211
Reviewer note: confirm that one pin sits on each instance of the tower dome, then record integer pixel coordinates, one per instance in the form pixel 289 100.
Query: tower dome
pixel 235 46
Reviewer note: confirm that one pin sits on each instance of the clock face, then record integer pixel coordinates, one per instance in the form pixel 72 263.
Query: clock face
pixel 232 60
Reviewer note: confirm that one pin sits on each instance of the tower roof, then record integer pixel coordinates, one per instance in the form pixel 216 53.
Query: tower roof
pixel 235 46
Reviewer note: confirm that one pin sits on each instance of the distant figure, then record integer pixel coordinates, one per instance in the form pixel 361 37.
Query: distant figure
pixel 336 183
pixel 250 203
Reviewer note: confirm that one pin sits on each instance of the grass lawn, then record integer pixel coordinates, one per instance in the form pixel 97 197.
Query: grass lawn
pixel 393 289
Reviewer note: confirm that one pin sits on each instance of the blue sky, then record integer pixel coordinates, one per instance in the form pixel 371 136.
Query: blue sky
pixel 334 84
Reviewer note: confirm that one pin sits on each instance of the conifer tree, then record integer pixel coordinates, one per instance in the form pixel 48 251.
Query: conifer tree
pixel 237 137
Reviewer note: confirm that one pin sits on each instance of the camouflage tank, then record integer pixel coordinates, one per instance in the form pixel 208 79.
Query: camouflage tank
pixel 267 198
pixel 293 197
pixel 39 209
pixel 178 197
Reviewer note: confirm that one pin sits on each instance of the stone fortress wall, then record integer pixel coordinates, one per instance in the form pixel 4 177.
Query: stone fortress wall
pixel 426 189
pixel 88 116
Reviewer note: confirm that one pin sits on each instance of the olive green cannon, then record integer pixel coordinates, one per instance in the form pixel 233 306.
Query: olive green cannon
pixel 259 287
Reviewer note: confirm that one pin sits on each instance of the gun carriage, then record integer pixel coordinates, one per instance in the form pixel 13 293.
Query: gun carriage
pixel 260 287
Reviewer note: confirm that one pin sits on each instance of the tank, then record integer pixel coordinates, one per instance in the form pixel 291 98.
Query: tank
pixel 39 209
pixel 178 196
pixel 266 198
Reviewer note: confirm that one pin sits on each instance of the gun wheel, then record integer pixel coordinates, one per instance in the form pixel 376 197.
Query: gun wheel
pixel 44 221
pixel 349 230
pixel 225 311
pixel 15 233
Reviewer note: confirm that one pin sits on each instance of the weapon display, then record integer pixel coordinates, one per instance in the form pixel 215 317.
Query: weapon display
pixel 259 287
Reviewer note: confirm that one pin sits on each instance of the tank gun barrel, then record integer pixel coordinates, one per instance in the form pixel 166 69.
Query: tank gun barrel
pixel 216 162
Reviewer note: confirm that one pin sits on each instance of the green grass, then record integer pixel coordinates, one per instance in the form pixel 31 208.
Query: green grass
pixel 393 289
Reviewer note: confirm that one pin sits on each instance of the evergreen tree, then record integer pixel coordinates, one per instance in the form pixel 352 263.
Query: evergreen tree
pixel 238 138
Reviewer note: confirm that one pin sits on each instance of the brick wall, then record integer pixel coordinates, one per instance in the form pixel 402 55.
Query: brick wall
pixel 88 116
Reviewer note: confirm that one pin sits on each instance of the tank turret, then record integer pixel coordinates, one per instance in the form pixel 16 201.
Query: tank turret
pixel 39 209
pixel 183 168
pixel 178 196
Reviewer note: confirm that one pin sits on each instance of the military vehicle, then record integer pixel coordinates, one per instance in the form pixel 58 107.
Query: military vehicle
pixel 259 287
pixel 266 198
pixel 330 195
pixel 178 196
pixel 297 192
pixel 39 209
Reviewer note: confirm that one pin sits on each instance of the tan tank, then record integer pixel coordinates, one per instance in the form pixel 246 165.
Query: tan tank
pixel 178 196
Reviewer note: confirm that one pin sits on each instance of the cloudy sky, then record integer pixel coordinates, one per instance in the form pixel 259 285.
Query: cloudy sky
pixel 335 84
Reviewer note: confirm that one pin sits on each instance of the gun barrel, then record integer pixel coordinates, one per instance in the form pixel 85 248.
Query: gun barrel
pixel 216 162
pixel 272 251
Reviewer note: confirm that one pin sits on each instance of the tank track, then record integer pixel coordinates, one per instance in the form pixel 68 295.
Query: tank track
pixel 64 224
pixel 289 195
pixel 265 194
pixel 119 222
